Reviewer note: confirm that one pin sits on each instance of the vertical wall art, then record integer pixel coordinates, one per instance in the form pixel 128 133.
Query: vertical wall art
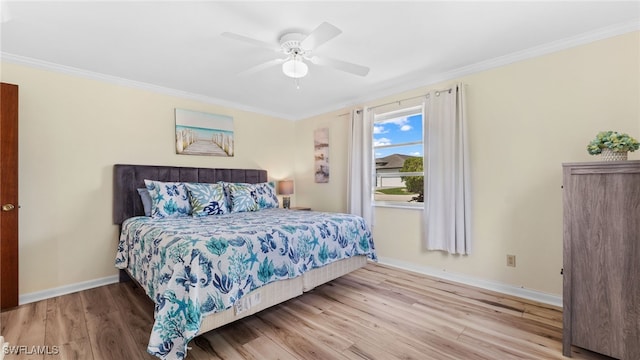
pixel 321 145
pixel 199 133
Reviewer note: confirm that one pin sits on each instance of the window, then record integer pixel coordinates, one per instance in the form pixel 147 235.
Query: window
pixel 398 152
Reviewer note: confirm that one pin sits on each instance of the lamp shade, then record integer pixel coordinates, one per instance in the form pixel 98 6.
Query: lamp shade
pixel 295 68
pixel 285 187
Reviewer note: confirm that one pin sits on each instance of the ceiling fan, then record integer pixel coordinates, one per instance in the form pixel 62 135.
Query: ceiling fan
pixel 297 49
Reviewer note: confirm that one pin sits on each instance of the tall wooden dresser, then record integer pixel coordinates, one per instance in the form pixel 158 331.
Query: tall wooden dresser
pixel 601 290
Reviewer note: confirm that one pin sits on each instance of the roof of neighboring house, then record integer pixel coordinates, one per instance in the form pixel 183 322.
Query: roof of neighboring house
pixel 394 161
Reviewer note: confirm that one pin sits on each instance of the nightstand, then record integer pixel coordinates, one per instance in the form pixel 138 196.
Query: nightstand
pixel 303 208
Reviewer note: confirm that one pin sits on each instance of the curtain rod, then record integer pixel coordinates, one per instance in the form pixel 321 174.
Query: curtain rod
pixel 437 92
pixel 397 101
pixel 349 113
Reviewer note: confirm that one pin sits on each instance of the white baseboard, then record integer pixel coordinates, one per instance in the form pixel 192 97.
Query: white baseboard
pixel 477 282
pixel 67 289
pixel 426 270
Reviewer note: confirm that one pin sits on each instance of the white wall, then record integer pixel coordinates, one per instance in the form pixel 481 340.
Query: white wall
pixel 525 120
pixel 72 131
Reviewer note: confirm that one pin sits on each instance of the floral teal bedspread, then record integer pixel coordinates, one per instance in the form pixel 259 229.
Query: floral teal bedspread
pixel 191 267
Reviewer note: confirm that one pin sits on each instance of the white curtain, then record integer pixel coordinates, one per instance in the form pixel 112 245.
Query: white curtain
pixel 447 182
pixel 360 174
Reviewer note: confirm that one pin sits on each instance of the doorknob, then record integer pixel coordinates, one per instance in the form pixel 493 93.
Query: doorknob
pixel 8 207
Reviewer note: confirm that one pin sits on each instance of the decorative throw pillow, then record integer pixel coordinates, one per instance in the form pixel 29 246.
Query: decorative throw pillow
pixel 265 195
pixel 206 199
pixel 242 197
pixel 146 200
pixel 168 199
pixel 227 192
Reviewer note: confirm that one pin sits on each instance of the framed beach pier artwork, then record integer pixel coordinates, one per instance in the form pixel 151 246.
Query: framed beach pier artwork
pixel 321 153
pixel 199 133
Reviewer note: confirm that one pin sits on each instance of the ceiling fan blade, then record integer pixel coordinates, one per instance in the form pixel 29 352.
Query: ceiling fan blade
pixel 341 65
pixel 254 42
pixel 260 67
pixel 319 36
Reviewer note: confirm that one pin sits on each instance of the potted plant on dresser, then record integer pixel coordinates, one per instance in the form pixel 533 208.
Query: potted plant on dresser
pixel 612 146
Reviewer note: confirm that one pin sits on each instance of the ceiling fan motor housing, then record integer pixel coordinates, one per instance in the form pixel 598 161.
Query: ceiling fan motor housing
pixel 294 67
pixel 290 44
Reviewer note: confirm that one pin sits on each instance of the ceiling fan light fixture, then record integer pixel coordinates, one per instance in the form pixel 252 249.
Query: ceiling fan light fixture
pixel 295 68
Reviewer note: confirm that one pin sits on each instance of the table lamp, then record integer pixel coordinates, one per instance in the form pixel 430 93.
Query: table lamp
pixel 285 187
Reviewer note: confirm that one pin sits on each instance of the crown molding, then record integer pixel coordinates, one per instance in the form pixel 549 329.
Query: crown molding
pixel 406 83
pixel 548 48
pixel 69 70
pixel 417 80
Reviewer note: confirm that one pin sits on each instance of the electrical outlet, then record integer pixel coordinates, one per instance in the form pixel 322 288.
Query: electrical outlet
pixel 511 260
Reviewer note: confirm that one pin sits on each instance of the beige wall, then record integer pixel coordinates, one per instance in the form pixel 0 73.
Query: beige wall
pixel 71 132
pixel 525 119
pixel 329 196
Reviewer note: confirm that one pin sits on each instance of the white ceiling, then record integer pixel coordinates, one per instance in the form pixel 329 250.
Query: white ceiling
pixel 177 46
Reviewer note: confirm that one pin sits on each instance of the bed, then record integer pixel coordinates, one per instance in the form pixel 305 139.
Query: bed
pixel 205 272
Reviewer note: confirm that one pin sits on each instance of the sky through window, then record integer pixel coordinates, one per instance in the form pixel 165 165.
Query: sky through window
pixel 397 131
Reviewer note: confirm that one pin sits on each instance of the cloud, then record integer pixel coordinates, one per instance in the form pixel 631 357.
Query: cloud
pixel 397 121
pixel 402 123
pixel 379 130
pixel 381 142
pixel 415 153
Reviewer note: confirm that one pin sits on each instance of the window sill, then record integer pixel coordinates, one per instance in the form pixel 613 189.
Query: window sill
pixel 396 205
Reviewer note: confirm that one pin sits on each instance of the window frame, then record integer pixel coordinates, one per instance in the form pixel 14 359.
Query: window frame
pixel 382 116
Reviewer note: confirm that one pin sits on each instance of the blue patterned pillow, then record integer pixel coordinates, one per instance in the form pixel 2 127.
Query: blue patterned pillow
pixel 168 199
pixel 227 192
pixel 242 197
pixel 227 197
pixel 206 199
pixel 265 195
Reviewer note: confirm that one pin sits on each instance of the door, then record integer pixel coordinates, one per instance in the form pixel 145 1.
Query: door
pixel 8 196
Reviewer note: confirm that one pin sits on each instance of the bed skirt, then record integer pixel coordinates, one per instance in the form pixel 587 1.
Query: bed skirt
pixel 280 291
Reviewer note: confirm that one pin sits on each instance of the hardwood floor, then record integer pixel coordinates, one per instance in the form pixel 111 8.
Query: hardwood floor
pixel 376 312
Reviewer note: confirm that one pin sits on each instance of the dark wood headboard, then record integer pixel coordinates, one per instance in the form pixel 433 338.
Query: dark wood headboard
pixel 128 178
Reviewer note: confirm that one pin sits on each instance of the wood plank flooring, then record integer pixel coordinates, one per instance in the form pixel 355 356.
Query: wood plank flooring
pixel 376 312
